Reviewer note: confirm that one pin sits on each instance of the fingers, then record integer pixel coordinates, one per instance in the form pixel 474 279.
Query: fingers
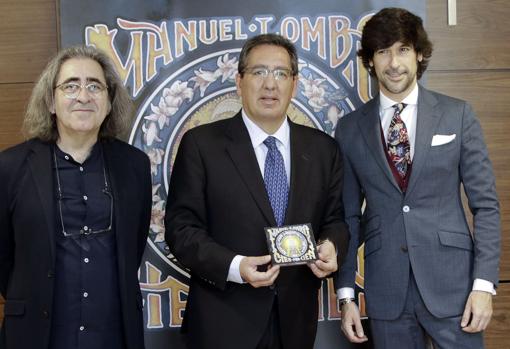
pixel 327 263
pixel 351 324
pixel 322 271
pixel 249 272
pixel 479 309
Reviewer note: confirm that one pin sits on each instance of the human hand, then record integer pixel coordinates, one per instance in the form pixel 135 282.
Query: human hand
pixel 326 264
pixel 250 274
pixel 351 323
pixel 479 309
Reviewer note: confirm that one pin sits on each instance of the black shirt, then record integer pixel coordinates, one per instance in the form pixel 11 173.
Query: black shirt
pixel 86 304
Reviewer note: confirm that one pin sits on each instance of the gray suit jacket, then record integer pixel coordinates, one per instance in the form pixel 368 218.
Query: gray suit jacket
pixel 425 228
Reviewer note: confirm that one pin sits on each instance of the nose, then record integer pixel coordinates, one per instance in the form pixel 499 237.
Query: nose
pixel 269 81
pixel 394 61
pixel 83 95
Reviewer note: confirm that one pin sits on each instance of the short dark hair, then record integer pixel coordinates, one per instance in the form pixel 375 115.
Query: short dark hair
pixel 268 39
pixel 387 27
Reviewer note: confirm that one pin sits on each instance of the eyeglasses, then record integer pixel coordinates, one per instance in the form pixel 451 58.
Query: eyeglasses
pixel 85 230
pixel 279 74
pixel 72 89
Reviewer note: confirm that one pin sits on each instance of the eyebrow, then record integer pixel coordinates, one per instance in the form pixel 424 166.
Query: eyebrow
pixel 76 79
pixel 266 67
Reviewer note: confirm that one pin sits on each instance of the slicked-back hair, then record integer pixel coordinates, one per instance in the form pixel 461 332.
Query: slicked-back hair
pixel 387 27
pixel 268 39
pixel 40 123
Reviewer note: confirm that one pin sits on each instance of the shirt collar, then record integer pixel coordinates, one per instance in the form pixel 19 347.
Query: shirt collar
pixel 386 102
pixel 258 135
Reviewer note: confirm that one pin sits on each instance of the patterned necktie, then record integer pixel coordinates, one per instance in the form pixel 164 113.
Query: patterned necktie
pixel 275 180
pixel 399 148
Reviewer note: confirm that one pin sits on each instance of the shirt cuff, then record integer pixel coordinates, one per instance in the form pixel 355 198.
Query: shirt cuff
pixel 345 292
pixel 234 274
pixel 484 285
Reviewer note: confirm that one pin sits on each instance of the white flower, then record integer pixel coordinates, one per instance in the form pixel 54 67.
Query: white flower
pixel 155 196
pixel 150 133
pixel 227 68
pixel 176 95
pixel 156 158
pixel 203 78
pixel 157 221
pixel 334 114
pixel 314 92
pixel 170 103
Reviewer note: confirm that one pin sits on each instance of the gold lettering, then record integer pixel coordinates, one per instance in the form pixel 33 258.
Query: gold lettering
pixel 316 32
pixel 175 289
pixel 340 40
pixel 183 33
pixel 102 38
pixel 264 21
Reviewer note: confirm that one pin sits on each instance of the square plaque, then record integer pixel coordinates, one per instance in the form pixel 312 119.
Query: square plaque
pixel 291 244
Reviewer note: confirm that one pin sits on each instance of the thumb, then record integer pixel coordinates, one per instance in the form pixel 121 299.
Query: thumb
pixel 260 260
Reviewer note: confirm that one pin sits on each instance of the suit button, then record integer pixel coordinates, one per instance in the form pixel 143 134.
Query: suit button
pixel 46 314
pixel 403 248
pixel 50 274
pixel 406 209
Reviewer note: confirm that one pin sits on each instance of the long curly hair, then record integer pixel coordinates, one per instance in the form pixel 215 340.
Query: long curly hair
pixel 40 123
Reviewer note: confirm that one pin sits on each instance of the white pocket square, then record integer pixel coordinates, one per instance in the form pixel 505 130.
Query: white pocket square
pixel 442 139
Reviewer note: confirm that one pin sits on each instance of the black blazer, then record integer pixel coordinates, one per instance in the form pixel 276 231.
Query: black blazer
pixel 217 207
pixel 27 233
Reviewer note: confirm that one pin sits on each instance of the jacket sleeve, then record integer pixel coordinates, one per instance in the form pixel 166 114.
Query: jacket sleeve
pixel 6 231
pixel 478 180
pixel 352 198
pixel 186 229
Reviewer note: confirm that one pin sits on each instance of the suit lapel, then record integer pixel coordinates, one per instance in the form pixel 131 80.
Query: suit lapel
pixel 240 150
pixel 41 168
pixel 427 121
pixel 369 125
pixel 300 164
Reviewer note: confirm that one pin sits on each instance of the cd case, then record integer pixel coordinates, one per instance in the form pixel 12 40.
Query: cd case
pixel 291 244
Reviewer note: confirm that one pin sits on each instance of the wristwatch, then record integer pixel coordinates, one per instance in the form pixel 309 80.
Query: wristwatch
pixel 344 301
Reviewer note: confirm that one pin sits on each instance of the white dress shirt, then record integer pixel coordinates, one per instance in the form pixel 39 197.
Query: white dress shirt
pixel 410 116
pixel 258 136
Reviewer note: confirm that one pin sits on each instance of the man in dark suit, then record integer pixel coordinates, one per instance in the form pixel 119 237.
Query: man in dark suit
pixel 221 197
pixel 407 154
pixel 75 206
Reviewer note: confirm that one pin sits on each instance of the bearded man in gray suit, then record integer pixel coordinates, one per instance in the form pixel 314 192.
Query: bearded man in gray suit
pixel 407 154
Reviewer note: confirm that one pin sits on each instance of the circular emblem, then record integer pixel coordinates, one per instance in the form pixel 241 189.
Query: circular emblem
pixel 204 91
pixel 291 243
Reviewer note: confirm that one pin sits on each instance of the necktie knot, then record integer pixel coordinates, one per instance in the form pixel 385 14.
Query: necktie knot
pixel 399 107
pixel 270 143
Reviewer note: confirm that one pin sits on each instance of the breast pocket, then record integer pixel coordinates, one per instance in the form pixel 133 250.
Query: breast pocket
pixel 14 307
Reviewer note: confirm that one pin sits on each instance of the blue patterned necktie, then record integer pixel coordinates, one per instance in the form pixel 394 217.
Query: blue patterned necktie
pixel 275 180
pixel 399 148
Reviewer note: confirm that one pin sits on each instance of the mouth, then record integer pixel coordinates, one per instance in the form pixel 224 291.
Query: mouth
pixel 395 75
pixel 83 110
pixel 268 100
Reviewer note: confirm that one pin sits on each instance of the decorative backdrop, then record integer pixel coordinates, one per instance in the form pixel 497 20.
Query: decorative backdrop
pixel 179 59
